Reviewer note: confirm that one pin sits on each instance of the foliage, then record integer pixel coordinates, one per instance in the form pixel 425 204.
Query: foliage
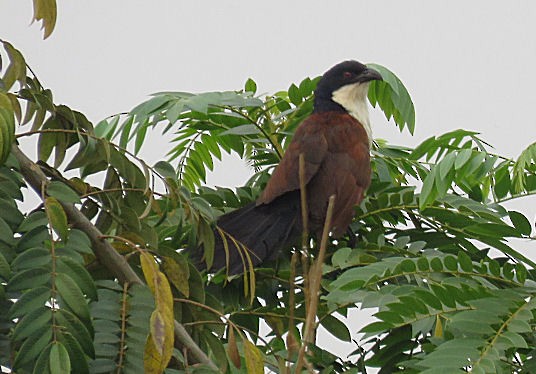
pixel 433 257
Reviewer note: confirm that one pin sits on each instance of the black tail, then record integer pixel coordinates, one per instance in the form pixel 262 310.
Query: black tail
pixel 254 233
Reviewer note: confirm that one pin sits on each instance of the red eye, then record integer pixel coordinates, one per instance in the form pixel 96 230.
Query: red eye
pixel 347 74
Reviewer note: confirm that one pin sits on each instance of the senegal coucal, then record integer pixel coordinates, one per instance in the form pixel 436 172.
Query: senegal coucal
pixel 335 142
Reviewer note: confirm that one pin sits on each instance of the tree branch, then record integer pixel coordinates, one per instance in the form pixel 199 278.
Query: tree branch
pixel 105 253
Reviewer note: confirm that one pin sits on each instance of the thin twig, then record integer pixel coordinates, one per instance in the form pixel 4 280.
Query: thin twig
pixel 276 146
pixel 124 314
pixel 315 275
pixel 292 344
pixel 303 200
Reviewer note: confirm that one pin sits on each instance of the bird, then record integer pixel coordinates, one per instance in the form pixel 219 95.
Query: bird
pixel 335 141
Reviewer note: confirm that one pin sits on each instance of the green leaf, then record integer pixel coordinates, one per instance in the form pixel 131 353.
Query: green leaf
pixel 42 365
pixel 72 295
pixel 30 301
pixel 250 86
pixel 465 262
pixel 393 98
pixel 79 242
pixel 32 258
pixel 59 359
pixel 16 70
pixel 336 327
pixel 520 222
pixel 76 329
pixel 141 131
pixel 5 269
pixel 35 219
pixel 77 357
pixel 451 263
pixel 376 327
pixel 32 322
pixel 29 278
pixel 79 274
pixel 492 230
pixel 461 159
pixel 248 129
pixel 105 129
pixel 151 105
pixel 428 193
pixel 33 346
pixel 62 192
pixel 57 217
pixel 165 169
pixel 525 159
pixel 446 164
pixel 7 127
pixel 294 95
pixel 10 213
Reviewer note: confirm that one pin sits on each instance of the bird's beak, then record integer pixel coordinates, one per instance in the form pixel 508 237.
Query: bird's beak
pixel 369 75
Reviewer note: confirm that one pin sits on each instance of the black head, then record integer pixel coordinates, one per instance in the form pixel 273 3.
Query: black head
pixel 345 73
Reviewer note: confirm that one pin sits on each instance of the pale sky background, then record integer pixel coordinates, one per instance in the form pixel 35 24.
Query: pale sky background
pixel 466 64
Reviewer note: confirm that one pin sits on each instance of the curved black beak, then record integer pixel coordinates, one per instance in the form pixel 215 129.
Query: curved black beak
pixel 369 75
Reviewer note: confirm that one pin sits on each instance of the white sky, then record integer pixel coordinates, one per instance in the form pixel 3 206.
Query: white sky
pixel 466 64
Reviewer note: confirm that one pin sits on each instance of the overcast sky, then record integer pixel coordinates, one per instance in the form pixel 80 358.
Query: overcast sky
pixel 466 64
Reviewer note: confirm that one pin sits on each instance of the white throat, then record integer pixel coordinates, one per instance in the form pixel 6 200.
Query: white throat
pixel 353 98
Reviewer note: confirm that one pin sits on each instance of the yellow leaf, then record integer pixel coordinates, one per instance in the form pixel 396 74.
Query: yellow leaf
pixel 159 348
pixel 57 217
pixel 46 11
pixel 149 267
pixel 163 295
pixel 232 349
pixel 152 360
pixel 164 306
pixel 254 362
pixel 438 330
pixel 121 247
pixel 178 274
pixel 158 331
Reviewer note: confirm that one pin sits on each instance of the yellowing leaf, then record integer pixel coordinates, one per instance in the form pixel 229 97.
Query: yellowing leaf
pixel 57 217
pixel 16 70
pixel 16 106
pixel 178 274
pixel 46 11
pixel 164 306
pixel 254 362
pixel 438 330
pixel 159 346
pixel 158 328
pixel 163 295
pixel 148 265
pixel 7 126
pixel 152 360
pixel 232 349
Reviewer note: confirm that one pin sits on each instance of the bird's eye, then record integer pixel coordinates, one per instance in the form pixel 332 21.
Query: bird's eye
pixel 347 74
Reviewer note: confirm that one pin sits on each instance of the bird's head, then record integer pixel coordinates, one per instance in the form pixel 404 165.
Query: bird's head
pixel 344 86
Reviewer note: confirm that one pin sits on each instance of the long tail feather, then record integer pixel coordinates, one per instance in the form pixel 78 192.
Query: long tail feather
pixel 258 232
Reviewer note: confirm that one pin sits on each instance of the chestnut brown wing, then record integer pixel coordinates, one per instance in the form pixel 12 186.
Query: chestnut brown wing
pixel 309 140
